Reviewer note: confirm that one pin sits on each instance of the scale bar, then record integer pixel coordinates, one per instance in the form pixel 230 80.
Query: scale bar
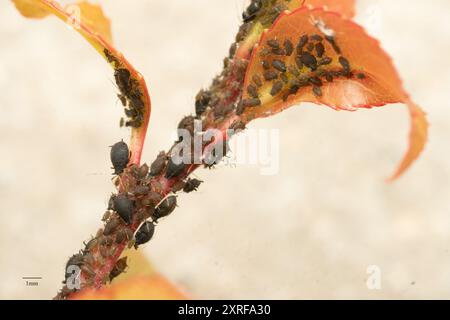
pixel 32 278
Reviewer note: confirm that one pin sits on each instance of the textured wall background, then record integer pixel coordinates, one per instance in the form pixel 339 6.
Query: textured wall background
pixel 310 231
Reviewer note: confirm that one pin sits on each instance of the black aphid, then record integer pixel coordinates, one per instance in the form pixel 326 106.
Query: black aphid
pixel 276 88
pixel 145 233
pixel 124 207
pixel 252 91
pixel 120 156
pixel 279 65
pixel 288 47
pixel 270 75
pixel 309 60
pixel 123 78
pixel 165 208
pixel 320 49
pixel 191 185
pixel 158 165
pixel 174 169
pixel 345 64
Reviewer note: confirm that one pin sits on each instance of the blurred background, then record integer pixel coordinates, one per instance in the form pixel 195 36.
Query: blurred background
pixel 313 230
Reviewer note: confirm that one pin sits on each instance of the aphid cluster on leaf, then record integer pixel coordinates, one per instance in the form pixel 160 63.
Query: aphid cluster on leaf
pixel 130 94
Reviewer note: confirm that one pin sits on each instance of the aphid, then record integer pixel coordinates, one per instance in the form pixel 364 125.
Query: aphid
pixel 120 155
pixel 309 60
pixel 251 102
pixel 191 185
pixel 145 233
pixel 320 49
pixel 274 44
pixel 333 43
pixel 110 227
pixel 118 268
pixel 294 70
pixel 89 259
pixel 131 113
pixel 121 236
pixel 91 244
pixel 315 81
pixel 317 91
pixel 122 99
pixel 252 11
pixel 276 88
pixel 106 215
pixel 279 65
pixel 232 50
pixel 303 40
pixel 109 56
pixel 252 91
pixel 270 75
pixel 141 190
pixel 158 165
pixel 124 207
pixel 187 123
pixel 361 76
pixel 278 51
pixel 105 241
pixel 265 64
pixel 174 169
pixel 288 47
pixel 328 77
pixel 298 61
pixel 345 64
pixel 310 47
pixel 201 102
pixel 325 61
pixel 122 122
pixel 143 171
pixel 165 208
pixel 257 80
pixel 240 108
pixel 284 77
pixel 237 126
pixel 123 77
pixel 316 37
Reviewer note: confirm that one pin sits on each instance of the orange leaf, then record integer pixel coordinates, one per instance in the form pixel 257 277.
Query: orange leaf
pixel 89 20
pixel 318 56
pixel 154 287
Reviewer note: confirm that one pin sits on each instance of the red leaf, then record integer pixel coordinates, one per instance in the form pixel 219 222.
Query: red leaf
pixel 334 63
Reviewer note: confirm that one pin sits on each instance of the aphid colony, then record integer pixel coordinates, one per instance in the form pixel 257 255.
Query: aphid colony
pixel 288 67
pixel 130 95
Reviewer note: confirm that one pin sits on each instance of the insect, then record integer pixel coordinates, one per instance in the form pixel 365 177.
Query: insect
pixel 123 77
pixel 142 172
pixel 165 208
pixel 110 227
pixel 257 80
pixel 251 102
pixel 118 268
pixel 320 49
pixel 303 40
pixel 325 61
pixel 174 169
pixel 252 91
pixel 279 65
pixel 270 75
pixel 310 47
pixel 124 207
pixel 191 185
pixel 288 47
pixel 276 88
pixel 315 81
pixel 252 10
pixel 120 156
pixel 158 165
pixel 187 123
pixel 273 44
pixel 145 233
pixel 317 91
pixel 333 43
pixel 201 102
pixel 122 99
pixel 309 60
pixel 345 64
